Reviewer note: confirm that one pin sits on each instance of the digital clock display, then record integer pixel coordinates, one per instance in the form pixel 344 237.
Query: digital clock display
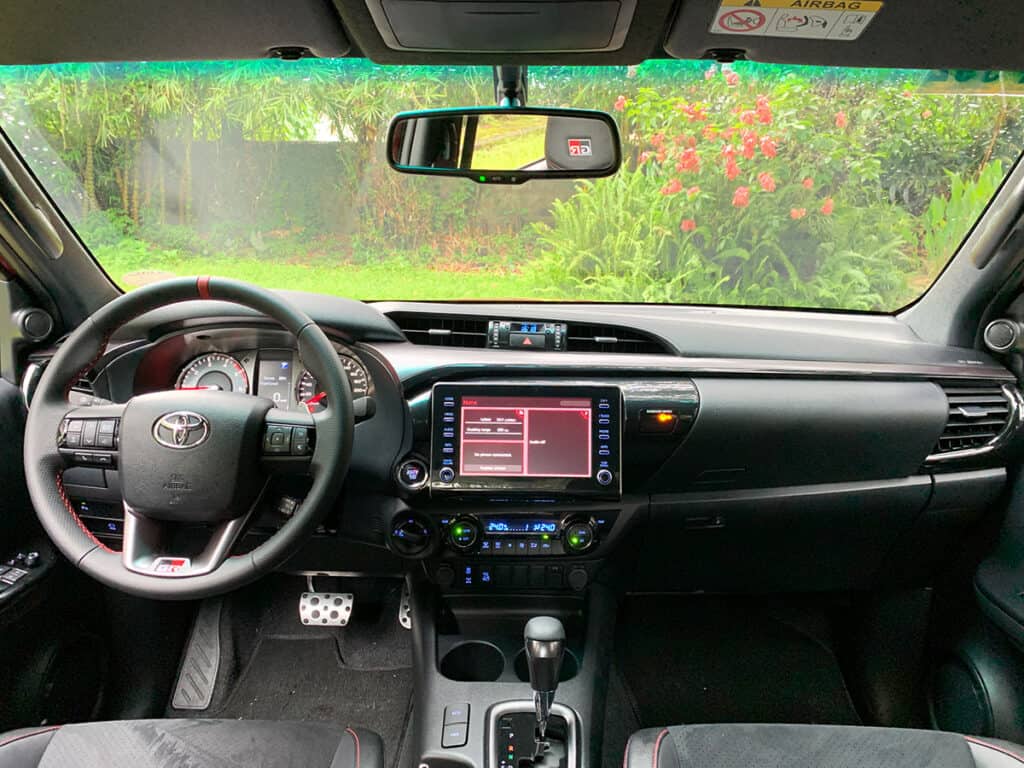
pixel 525 525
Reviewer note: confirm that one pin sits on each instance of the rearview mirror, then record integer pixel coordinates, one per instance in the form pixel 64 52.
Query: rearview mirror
pixel 505 145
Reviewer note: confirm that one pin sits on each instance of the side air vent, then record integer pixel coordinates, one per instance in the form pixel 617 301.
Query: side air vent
pixel 587 337
pixel 979 418
pixel 442 330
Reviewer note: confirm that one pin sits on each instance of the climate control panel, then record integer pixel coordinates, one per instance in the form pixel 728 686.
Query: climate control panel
pixel 524 535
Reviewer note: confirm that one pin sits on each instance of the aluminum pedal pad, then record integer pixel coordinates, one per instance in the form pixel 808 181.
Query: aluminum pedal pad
pixel 325 609
pixel 405 609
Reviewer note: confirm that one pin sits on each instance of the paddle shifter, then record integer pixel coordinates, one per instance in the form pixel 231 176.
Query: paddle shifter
pixel 545 646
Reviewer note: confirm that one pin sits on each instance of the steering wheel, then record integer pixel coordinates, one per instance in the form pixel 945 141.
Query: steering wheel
pixel 193 465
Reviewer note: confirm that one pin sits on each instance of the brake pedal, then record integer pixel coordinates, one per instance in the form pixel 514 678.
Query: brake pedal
pixel 405 608
pixel 326 609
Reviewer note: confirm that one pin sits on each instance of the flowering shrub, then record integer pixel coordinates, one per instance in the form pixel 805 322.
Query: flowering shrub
pixel 759 191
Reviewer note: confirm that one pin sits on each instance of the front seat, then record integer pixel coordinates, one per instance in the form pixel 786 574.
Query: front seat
pixel 192 744
pixel 813 746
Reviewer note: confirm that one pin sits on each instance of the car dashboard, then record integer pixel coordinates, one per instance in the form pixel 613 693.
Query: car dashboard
pixel 504 447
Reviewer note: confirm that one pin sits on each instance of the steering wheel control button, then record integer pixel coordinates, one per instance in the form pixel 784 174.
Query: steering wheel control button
pixel 89 433
pixel 278 440
pixel 300 441
pixel 464 533
pixel 455 736
pixel 446 475
pixel 412 474
pixel 604 477
pixel 106 433
pixel 579 537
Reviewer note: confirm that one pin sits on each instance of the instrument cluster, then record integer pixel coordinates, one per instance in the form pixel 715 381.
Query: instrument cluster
pixel 276 374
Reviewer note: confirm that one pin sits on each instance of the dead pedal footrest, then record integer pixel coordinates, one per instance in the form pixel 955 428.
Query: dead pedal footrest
pixel 198 674
pixel 325 609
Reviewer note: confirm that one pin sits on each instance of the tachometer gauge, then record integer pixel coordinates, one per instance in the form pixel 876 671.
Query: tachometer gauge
pixel 214 371
pixel 308 394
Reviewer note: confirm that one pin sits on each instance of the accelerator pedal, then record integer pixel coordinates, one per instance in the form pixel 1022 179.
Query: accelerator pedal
pixel 405 608
pixel 198 674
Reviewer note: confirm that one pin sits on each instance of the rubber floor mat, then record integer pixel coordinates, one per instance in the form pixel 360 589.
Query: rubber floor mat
pixel 707 660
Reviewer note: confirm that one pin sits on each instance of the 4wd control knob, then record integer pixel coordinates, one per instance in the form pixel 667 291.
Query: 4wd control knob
pixel 578 537
pixel 410 535
pixel 463 533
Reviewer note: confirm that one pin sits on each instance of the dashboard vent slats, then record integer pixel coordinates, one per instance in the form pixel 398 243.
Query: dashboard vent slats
pixel 442 330
pixel 589 337
pixel 977 415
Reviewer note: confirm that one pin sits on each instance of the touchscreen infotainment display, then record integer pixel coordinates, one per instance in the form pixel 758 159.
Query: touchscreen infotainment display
pixel 526 436
pixel 532 438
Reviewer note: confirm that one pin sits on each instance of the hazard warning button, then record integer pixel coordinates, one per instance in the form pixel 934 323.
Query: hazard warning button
pixel 528 340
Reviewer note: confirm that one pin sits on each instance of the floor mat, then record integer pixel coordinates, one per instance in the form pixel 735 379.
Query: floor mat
pixel 291 679
pixel 707 660
pixel 274 668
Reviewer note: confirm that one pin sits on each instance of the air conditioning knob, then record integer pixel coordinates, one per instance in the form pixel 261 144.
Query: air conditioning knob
pixel 410 535
pixel 464 533
pixel 578 537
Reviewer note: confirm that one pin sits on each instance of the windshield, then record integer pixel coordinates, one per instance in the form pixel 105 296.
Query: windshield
pixel 746 184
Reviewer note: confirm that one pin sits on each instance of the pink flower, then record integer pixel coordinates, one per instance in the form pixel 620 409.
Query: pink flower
pixel 828 206
pixel 709 72
pixel 748 117
pixel 768 147
pixel 767 181
pixel 841 120
pixel 644 157
pixel 926 114
pixel 687 225
pixel 808 183
pixel 732 170
pixel 620 103
pixel 764 116
pixel 658 139
pixel 709 133
pixel 741 197
pixel 797 213
pixel 762 102
pixel 673 187
pixel 693 191
pixel 662 154
pixel 731 78
pixel 688 161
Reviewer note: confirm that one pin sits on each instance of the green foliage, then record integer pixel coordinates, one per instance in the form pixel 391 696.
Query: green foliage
pixel 946 220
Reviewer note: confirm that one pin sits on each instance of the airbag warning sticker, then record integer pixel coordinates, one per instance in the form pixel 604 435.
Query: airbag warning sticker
pixel 811 19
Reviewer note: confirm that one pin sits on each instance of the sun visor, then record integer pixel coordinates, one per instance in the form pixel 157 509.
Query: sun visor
pixel 35 32
pixel 535 26
pixel 920 34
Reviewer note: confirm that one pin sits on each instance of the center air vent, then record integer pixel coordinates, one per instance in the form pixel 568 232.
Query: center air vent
pixel 442 330
pixel 587 337
pixel 978 415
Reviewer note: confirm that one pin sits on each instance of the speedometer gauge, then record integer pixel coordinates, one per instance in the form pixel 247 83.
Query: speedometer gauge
pixel 307 391
pixel 214 371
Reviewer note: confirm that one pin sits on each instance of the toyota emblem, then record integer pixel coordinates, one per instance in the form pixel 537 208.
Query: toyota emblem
pixel 181 429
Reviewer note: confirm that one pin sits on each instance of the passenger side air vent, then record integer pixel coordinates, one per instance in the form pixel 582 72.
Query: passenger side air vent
pixel 442 330
pixel 978 414
pixel 587 337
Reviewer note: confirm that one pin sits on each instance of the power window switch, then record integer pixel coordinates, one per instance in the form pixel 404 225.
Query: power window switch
pixel 456 714
pixel 455 736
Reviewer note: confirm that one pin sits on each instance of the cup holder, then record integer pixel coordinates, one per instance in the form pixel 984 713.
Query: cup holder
pixel 570 666
pixel 474 662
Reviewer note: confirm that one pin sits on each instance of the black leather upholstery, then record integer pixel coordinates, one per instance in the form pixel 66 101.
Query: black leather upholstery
pixel 192 744
pixel 813 746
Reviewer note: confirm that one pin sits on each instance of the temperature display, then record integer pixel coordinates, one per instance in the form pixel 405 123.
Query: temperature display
pixel 509 525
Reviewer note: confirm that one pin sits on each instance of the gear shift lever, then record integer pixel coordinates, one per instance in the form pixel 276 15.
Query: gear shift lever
pixel 545 646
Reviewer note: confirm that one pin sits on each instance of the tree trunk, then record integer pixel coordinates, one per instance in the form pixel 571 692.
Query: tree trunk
pixel 161 171
pixel 186 182
pixel 89 179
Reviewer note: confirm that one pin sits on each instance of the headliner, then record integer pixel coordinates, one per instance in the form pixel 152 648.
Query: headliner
pixel 961 34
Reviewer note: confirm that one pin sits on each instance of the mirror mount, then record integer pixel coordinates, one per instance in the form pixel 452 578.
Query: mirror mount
pixel 510 85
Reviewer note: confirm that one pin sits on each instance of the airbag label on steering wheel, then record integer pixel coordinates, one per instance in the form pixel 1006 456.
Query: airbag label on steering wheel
pixel 809 19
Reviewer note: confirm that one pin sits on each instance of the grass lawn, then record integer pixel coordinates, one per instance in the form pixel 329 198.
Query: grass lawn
pixel 368 282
